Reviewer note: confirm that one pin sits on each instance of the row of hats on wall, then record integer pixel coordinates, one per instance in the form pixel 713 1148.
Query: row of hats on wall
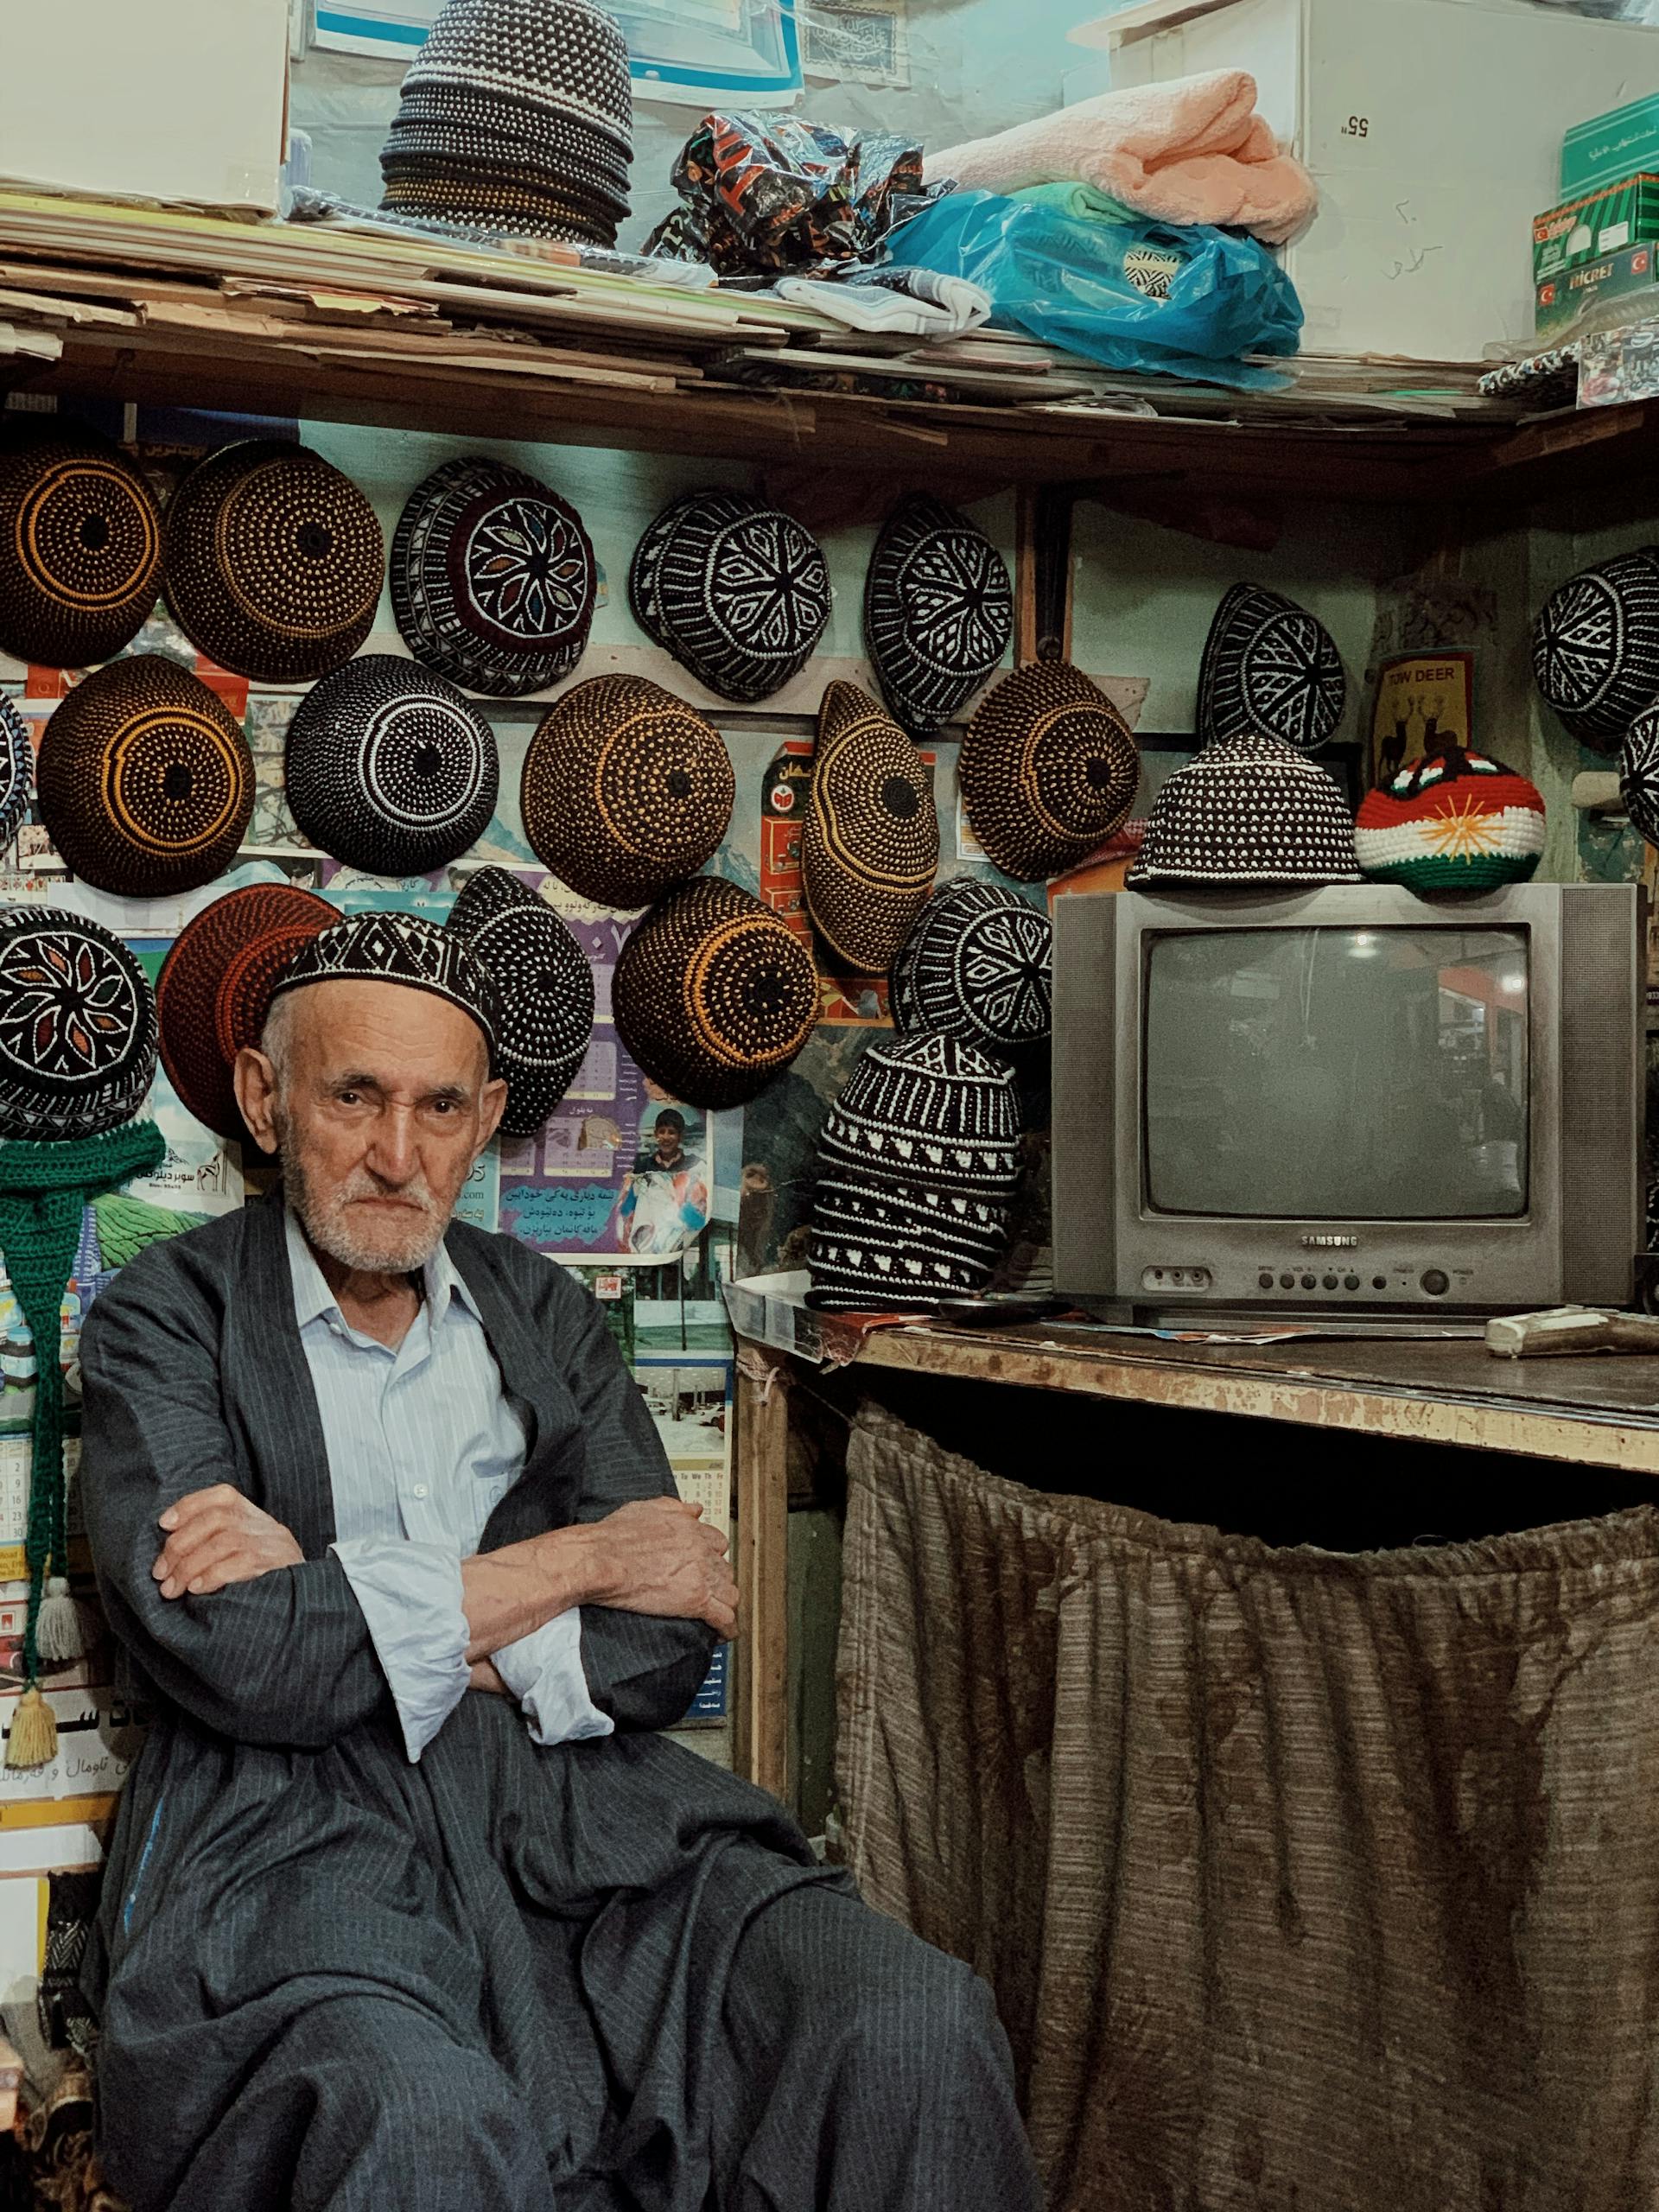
pixel 1595 654
pixel 272 561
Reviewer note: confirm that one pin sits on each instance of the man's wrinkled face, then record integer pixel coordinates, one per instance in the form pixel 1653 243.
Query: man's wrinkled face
pixel 378 1099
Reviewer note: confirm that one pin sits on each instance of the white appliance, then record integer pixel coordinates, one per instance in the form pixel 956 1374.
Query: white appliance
pixel 1433 129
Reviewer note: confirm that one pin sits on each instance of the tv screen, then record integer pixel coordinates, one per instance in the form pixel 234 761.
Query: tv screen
pixel 1337 1074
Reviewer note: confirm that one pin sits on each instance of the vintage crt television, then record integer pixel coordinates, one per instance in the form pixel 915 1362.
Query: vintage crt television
pixel 1348 1101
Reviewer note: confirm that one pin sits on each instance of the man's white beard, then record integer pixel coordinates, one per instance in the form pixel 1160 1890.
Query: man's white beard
pixel 393 1249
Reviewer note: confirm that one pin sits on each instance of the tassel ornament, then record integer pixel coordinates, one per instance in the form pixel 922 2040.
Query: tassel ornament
pixel 58 1634
pixel 34 1737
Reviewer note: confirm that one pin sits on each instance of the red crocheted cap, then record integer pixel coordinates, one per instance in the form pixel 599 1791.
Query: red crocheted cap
pixel 215 986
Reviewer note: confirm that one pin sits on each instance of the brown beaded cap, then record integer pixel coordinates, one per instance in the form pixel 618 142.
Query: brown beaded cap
pixel 274 562
pixel 626 790
pixel 80 548
pixel 214 990
pixel 1048 770
pixel 870 842
pixel 144 778
pixel 713 994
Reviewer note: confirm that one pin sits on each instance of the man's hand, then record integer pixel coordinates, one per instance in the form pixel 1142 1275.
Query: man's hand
pixel 654 1556
pixel 216 1537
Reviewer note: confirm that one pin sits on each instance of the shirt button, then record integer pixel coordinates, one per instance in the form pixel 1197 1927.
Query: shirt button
pixel 419 1490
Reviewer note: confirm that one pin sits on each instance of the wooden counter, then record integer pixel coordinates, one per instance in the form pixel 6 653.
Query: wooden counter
pixel 1588 1412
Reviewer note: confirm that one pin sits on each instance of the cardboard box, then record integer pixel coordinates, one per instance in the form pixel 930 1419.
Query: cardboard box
pixel 147 99
pixel 1433 128
pixel 1565 302
pixel 1595 224
pixel 1611 146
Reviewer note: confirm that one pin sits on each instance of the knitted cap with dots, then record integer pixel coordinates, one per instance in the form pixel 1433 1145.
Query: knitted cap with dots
pixel 494 579
pixel 81 547
pixel 1453 822
pixel 714 994
pixel 385 947
pixel 1247 811
pixel 391 768
pixel 145 779
pixel 214 990
pixel 626 790
pixel 978 966
pixel 544 987
pixel 1048 770
pixel 1595 647
pixel 1269 668
pixel 938 612
pixel 77 1027
pixel 870 842
pixel 16 771
pixel 275 562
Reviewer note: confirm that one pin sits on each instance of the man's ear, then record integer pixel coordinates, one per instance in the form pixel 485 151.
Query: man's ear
pixel 492 1105
pixel 256 1094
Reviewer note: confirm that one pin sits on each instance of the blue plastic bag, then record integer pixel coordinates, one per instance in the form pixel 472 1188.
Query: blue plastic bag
pixel 1132 295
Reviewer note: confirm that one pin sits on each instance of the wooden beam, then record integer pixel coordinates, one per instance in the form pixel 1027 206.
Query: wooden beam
pixel 760 1656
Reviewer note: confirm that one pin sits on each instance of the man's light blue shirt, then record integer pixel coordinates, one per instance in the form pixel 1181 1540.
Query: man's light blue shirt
pixel 422 1440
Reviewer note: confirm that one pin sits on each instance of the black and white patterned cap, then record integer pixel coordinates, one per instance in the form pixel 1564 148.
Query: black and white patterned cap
pixel 544 989
pixel 1244 811
pixel 1269 668
pixel 391 768
pixel 78 1030
pixel 938 612
pixel 389 948
pixel 737 591
pixel 543 58
pixel 978 966
pixel 16 771
pixel 494 579
pixel 873 1247
pixel 1638 773
pixel 927 1110
pixel 1595 647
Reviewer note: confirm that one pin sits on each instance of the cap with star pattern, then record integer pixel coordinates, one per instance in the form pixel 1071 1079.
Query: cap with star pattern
pixel 1595 647
pixel 938 612
pixel 978 966
pixel 1269 668
pixel 736 590
pixel 77 1027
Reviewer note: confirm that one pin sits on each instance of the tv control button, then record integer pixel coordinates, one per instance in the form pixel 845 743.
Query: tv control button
pixel 1379 1282
pixel 1351 1282
pixel 1265 1278
pixel 1330 1282
pixel 1287 1282
pixel 1310 1282
pixel 1436 1282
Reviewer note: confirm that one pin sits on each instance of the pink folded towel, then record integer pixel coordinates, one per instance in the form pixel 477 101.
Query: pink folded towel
pixel 1194 151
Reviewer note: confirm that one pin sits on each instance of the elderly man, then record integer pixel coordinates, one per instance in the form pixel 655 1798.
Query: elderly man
pixel 406 1907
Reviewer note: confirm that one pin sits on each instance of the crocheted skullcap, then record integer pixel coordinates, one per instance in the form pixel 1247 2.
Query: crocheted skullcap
pixel 1454 821
pixel 492 579
pixel 391 768
pixel 1595 647
pixel 870 842
pixel 1247 811
pixel 938 612
pixel 917 1162
pixel 16 771
pixel 626 790
pixel 547 64
pixel 215 986
pixel 714 994
pixel 77 1027
pixel 1269 668
pixel 1638 774
pixel 81 547
pixel 145 779
pixel 930 1112
pixel 390 948
pixel 274 562
pixel 544 990
pixel 1048 770
pixel 977 967
pixel 737 591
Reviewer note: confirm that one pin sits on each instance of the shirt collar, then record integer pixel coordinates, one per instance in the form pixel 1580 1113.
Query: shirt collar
pixel 441 1281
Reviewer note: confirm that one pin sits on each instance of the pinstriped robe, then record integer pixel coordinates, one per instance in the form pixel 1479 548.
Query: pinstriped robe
pixel 558 1908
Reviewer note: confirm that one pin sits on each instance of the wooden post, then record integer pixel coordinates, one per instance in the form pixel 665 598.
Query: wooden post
pixel 1042 591
pixel 760 1656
